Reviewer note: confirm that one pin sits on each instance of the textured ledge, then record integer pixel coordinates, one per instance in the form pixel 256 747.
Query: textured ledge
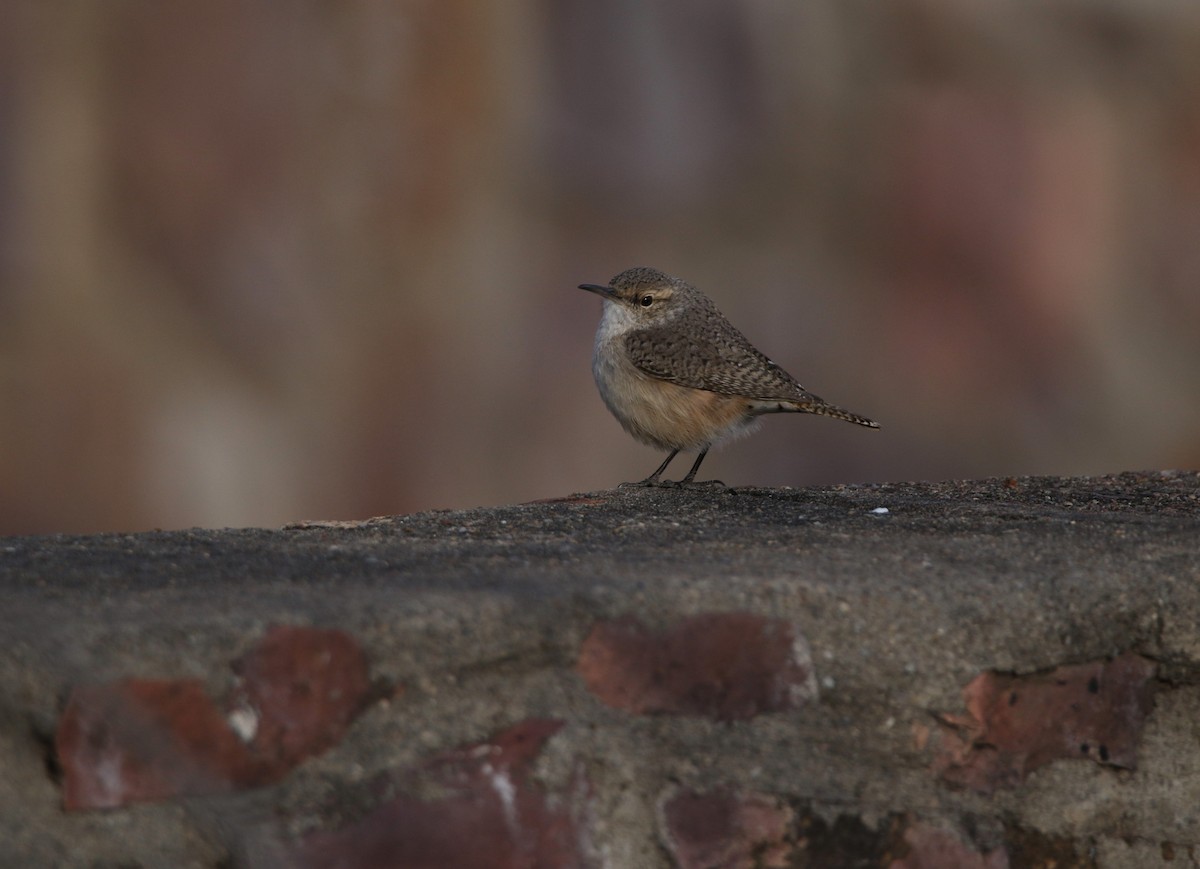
pixel 994 673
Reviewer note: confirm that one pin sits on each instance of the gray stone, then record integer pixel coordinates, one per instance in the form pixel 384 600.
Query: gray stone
pixel 904 593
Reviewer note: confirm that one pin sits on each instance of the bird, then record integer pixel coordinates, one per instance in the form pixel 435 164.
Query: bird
pixel 680 377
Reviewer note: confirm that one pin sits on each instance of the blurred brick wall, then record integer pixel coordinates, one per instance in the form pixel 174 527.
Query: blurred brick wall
pixel 261 261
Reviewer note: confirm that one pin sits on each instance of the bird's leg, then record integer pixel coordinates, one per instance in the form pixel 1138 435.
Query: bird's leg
pixel 691 474
pixel 652 480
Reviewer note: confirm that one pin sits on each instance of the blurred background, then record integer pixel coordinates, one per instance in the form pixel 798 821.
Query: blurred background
pixel 264 261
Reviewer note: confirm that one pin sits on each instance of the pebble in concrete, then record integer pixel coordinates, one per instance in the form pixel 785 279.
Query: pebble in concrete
pixel 490 816
pixel 931 847
pixel 727 666
pixel 726 829
pixel 141 740
pixel 299 691
pixel 1015 724
pixel 138 740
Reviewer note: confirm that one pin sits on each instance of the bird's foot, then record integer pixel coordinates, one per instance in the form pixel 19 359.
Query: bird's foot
pixel 673 484
pixel 648 483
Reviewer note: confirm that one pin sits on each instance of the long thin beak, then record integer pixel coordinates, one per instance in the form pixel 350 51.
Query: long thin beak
pixel 599 290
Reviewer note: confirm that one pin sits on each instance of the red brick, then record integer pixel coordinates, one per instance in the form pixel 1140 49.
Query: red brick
pixel 139 740
pixel 721 665
pixel 510 751
pixel 931 847
pixel 1015 724
pixel 491 817
pixel 726 830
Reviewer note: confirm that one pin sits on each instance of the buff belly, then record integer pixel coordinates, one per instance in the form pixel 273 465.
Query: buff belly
pixel 665 415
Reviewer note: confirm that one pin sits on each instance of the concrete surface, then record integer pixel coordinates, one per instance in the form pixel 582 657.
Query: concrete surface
pixel 473 621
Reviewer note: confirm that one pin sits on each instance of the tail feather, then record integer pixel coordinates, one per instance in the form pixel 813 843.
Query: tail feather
pixel 820 408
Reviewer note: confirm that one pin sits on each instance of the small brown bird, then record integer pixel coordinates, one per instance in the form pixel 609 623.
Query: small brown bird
pixel 679 376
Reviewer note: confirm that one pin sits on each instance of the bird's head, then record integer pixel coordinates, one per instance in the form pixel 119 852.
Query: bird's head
pixel 646 294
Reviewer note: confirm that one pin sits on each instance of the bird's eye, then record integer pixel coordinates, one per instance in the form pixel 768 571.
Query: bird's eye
pixel 647 301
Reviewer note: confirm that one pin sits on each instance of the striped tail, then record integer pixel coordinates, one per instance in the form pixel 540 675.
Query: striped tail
pixel 821 408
